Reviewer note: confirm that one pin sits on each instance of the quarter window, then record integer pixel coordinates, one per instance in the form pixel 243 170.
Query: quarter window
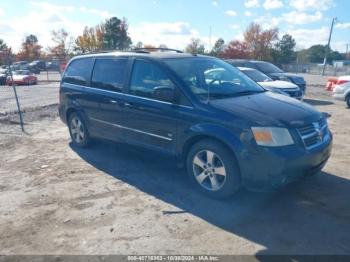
pixel 109 74
pixel 79 72
pixel 146 77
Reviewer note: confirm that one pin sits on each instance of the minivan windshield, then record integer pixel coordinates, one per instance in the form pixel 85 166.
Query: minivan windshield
pixel 210 78
pixel 268 68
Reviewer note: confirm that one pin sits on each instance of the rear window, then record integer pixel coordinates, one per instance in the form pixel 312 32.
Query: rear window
pixel 257 76
pixel 236 64
pixel 79 72
pixel 268 68
pixel 109 74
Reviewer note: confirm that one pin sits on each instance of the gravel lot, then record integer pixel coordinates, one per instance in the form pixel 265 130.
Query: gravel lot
pixel 29 96
pixel 115 199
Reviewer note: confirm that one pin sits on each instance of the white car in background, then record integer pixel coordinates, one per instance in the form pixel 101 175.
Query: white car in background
pixel 341 90
pixel 278 86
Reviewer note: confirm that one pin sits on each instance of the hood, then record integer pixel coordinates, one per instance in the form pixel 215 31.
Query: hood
pixel 269 109
pixel 278 84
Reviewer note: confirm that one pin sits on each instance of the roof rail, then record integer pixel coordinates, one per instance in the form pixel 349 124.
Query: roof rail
pixel 150 49
pixel 100 52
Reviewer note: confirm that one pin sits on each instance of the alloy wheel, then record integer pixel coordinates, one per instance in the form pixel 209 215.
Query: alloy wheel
pixel 209 170
pixel 77 130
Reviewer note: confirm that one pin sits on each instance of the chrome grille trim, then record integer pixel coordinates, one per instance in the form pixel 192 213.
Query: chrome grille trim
pixel 314 134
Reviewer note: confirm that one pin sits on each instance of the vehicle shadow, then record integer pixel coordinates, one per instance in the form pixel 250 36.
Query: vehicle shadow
pixel 307 217
pixel 317 102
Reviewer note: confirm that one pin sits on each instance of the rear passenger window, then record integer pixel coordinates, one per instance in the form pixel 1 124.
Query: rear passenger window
pixel 109 74
pixel 79 72
pixel 146 77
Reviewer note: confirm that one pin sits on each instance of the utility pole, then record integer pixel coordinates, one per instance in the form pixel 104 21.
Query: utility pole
pixel 328 45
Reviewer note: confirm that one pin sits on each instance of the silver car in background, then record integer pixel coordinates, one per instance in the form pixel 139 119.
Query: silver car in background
pixel 277 86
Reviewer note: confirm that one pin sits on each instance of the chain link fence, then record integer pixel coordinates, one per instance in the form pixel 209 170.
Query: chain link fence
pixel 316 69
pixel 21 104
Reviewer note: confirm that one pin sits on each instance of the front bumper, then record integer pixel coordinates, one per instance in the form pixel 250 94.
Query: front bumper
pixel 17 82
pixel 272 168
pixel 339 96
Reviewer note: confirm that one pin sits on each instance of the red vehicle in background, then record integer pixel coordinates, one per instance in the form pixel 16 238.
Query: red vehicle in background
pixel 22 77
pixel 63 66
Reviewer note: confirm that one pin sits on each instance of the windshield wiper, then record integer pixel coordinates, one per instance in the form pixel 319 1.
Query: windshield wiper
pixel 249 92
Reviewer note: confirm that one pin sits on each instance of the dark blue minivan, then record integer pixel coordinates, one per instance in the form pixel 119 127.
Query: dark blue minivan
pixel 225 129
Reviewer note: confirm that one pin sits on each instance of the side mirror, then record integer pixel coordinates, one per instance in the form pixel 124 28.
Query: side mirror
pixel 164 93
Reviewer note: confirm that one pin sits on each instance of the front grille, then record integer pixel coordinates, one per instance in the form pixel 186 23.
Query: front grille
pixel 314 134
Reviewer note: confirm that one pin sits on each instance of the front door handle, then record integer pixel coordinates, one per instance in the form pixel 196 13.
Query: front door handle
pixel 113 101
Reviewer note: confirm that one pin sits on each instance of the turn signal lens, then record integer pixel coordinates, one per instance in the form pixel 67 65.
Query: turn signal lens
pixel 262 135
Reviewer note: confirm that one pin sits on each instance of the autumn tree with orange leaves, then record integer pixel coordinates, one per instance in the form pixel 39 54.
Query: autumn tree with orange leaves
pixel 260 41
pixel 91 40
pixel 30 50
pixel 257 44
pixel 236 50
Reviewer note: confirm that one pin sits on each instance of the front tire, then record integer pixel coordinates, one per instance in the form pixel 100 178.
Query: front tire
pixel 348 101
pixel 78 131
pixel 213 169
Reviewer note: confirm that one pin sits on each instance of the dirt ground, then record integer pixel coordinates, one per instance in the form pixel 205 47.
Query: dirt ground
pixel 114 199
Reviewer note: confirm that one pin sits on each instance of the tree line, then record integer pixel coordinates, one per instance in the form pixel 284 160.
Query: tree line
pixel 112 34
pixel 265 45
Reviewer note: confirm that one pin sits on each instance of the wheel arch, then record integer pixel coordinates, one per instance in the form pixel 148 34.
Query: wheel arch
pixel 69 112
pixel 73 109
pixel 222 136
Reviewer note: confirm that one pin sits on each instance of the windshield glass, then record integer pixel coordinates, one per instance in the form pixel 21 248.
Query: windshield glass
pixel 21 72
pixel 212 78
pixel 256 75
pixel 268 68
pixel 3 71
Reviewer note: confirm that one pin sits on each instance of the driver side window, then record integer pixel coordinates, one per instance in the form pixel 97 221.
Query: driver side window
pixel 146 77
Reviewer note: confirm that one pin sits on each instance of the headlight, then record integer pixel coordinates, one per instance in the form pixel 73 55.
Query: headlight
pixel 284 78
pixel 277 90
pixel 272 136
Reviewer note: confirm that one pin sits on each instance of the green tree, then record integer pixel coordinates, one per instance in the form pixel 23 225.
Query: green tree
pixel 195 47
pixel 139 45
pixel 283 53
pixel 3 45
pixel 218 48
pixel 3 51
pixel 116 34
pixel 335 55
pixel 316 53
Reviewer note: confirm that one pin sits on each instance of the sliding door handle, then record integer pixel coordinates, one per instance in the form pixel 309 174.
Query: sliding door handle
pixel 127 104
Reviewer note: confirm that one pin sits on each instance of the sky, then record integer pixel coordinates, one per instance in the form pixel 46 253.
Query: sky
pixel 175 22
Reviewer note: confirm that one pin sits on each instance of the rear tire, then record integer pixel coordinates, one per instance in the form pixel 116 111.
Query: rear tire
pixel 78 130
pixel 213 169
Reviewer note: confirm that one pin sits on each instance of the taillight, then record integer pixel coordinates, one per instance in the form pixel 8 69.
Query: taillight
pixel 340 82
